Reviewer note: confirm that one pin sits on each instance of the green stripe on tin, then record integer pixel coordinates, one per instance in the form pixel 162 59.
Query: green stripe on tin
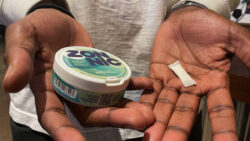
pixel 83 97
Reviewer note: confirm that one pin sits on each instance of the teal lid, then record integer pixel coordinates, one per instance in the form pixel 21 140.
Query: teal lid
pixel 91 69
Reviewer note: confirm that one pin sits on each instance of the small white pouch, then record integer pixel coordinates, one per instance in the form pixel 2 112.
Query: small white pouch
pixel 182 74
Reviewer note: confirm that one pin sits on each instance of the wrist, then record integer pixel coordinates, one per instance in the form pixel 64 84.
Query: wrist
pixel 60 5
pixel 184 4
pixel 221 7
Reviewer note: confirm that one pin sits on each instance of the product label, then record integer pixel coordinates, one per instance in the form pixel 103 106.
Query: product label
pixel 94 63
pixel 83 97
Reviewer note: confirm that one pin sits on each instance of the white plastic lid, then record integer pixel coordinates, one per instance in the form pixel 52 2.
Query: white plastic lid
pixel 91 69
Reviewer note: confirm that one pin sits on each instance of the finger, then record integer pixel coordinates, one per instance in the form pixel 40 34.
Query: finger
pixel 140 83
pixel 133 115
pixel 144 109
pixel 162 110
pixel 149 96
pixel 19 54
pixel 222 115
pixel 53 119
pixel 50 110
pixel 183 117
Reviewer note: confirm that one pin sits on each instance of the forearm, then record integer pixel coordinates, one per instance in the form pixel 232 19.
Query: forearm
pixel 14 10
pixel 222 7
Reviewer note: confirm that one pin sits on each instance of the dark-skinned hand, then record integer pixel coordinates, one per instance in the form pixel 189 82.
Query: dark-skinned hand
pixel 204 43
pixel 31 44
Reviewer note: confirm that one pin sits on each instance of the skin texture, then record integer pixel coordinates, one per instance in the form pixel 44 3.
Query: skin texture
pixel 31 44
pixel 204 44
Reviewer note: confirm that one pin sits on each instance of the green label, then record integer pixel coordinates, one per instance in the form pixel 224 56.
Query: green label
pixel 95 63
pixel 83 97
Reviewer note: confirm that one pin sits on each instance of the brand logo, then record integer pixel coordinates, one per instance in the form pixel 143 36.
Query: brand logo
pixel 94 57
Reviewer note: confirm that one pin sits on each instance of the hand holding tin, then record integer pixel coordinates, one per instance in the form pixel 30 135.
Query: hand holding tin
pixel 203 43
pixel 30 47
pixel 31 44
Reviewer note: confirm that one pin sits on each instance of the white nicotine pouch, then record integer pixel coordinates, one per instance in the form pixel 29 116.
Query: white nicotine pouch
pixel 182 74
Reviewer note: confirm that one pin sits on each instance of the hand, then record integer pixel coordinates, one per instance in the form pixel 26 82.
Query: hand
pixel 204 44
pixel 31 44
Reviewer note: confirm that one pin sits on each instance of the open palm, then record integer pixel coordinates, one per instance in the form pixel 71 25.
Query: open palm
pixel 203 42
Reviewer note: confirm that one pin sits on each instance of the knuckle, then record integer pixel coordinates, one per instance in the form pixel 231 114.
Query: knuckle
pixel 184 108
pixel 179 129
pixel 110 112
pixel 148 114
pixel 46 114
pixel 135 122
pixel 161 122
pixel 147 104
pixel 224 132
pixel 166 101
pixel 220 108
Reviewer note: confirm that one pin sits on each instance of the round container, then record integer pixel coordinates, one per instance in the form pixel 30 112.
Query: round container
pixel 89 76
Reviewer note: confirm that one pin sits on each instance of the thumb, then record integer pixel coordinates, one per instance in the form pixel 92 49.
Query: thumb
pixel 19 55
pixel 239 43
